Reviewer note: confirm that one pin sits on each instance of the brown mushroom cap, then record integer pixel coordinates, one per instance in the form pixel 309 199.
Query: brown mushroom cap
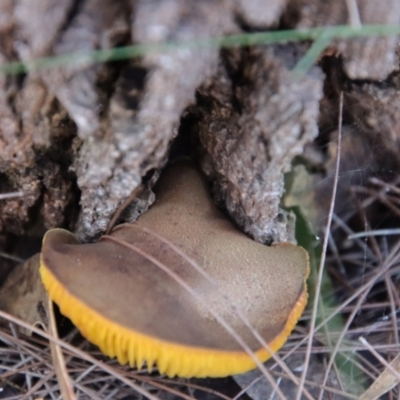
pixel 124 303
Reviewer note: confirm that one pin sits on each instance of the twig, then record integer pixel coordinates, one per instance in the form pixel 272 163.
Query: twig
pixel 354 14
pixel 11 257
pixel 11 195
pixel 375 232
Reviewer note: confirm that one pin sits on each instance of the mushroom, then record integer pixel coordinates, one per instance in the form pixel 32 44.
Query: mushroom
pixel 128 294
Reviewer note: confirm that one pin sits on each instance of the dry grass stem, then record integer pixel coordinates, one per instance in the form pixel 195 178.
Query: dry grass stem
pixel 323 255
pixel 66 388
pixel 4 196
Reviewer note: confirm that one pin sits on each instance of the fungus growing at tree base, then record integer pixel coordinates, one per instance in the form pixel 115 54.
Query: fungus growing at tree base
pixel 137 295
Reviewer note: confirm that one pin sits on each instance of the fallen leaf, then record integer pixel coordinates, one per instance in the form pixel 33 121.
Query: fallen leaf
pixel 385 381
pixel 23 294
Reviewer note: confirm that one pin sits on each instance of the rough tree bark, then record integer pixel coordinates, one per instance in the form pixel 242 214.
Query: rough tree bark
pixel 77 141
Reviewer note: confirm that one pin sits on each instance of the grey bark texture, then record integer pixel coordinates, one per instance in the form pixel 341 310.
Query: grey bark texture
pixel 77 141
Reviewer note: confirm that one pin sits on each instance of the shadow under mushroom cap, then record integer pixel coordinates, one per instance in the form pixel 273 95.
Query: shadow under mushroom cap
pixel 117 295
